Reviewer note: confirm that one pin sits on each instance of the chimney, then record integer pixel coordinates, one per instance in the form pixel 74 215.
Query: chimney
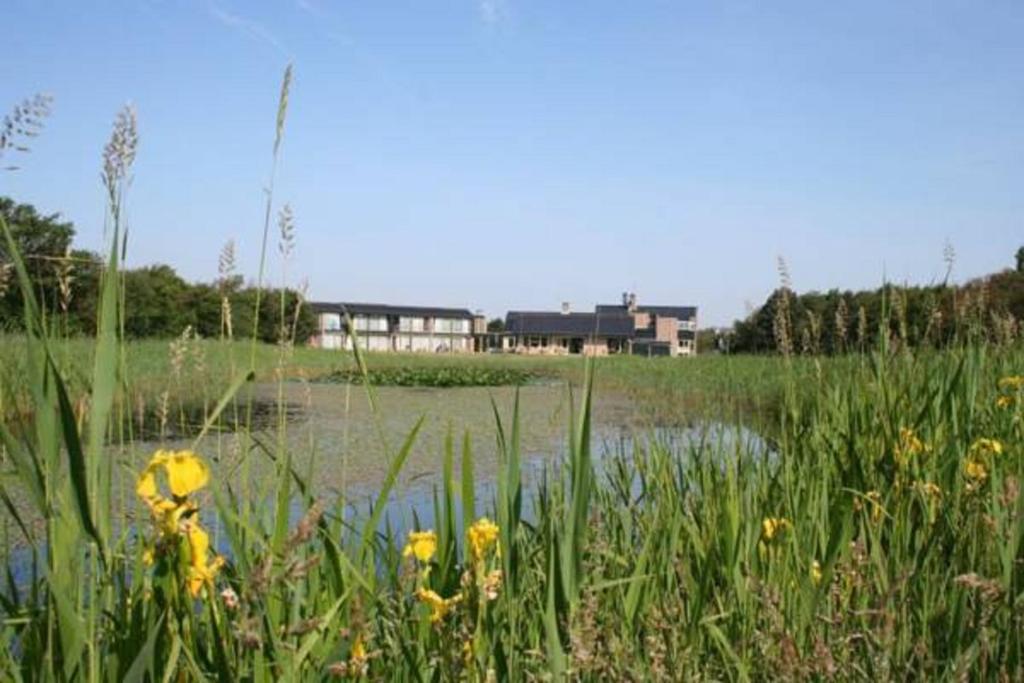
pixel 566 309
pixel 630 302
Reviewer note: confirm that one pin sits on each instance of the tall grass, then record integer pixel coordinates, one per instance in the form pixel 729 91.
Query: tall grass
pixel 875 530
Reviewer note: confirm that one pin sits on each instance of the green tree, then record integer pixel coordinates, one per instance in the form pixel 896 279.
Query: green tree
pixel 155 299
pixel 43 241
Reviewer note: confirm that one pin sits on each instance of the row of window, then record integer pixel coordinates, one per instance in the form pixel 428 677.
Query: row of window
pixel 332 322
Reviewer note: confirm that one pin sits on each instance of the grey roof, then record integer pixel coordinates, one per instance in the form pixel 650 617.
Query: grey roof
pixel 679 312
pixel 387 309
pixel 569 324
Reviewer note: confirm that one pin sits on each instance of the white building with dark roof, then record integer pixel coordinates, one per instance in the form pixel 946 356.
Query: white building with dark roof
pixel 383 327
pixel 620 328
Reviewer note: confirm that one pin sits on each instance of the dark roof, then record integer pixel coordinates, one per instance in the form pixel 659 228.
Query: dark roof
pixel 569 324
pixel 679 312
pixel 387 309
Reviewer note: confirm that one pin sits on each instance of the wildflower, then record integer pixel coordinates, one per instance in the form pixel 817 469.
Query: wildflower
pixel 185 471
pixel 929 489
pixel 1012 382
pixel 909 445
pixel 148 557
pixel 984 446
pixel 230 598
pixel 975 470
pixel 358 650
pixel 482 535
pixel 1004 401
pixel 815 572
pixel 202 570
pixel 774 526
pixel 439 607
pixel 422 544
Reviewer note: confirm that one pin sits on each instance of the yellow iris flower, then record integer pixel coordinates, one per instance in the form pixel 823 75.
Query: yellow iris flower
pixel 202 570
pixel 975 470
pixel 985 446
pixel 439 607
pixel 422 544
pixel 1012 382
pixel 482 535
pixel 774 526
pixel 185 471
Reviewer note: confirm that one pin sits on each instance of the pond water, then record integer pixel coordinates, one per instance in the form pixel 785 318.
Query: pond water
pixel 342 446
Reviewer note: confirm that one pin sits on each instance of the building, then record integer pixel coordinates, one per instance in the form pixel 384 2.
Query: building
pixel 620 328
pixel 381 327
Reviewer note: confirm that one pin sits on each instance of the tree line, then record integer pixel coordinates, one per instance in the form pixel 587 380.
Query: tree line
pixel 157 301
pixel 836 322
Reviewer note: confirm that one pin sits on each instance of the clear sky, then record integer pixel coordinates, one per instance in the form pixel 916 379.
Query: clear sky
pixel 503 154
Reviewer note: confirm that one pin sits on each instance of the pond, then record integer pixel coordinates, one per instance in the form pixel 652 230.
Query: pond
pixel 341 446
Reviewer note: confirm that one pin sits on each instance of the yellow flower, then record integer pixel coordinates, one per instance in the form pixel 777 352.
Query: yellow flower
pixel 202 571
pixel 422 544
pixel 481 536
pixel 929 489
pixel 974 469
pixel 876 505
pixel 1012 382
pixel 185 471
pixel 774 526
pixel 1004 401
pixel 148 557
pixel 909 445
pixel 815 572
pixel 439 607
pixel 985 446
pixel 358 650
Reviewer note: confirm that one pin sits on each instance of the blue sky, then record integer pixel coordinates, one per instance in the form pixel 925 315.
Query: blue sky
pixel 504 154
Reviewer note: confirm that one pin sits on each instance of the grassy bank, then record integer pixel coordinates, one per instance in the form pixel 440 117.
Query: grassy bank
pixel 175 383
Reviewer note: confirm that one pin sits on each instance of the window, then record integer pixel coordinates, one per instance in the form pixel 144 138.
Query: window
pixel 371 323
pixel 330 322
pixel 412 324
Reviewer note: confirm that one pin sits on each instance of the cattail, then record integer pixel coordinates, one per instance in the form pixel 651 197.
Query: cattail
pixel 25 121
